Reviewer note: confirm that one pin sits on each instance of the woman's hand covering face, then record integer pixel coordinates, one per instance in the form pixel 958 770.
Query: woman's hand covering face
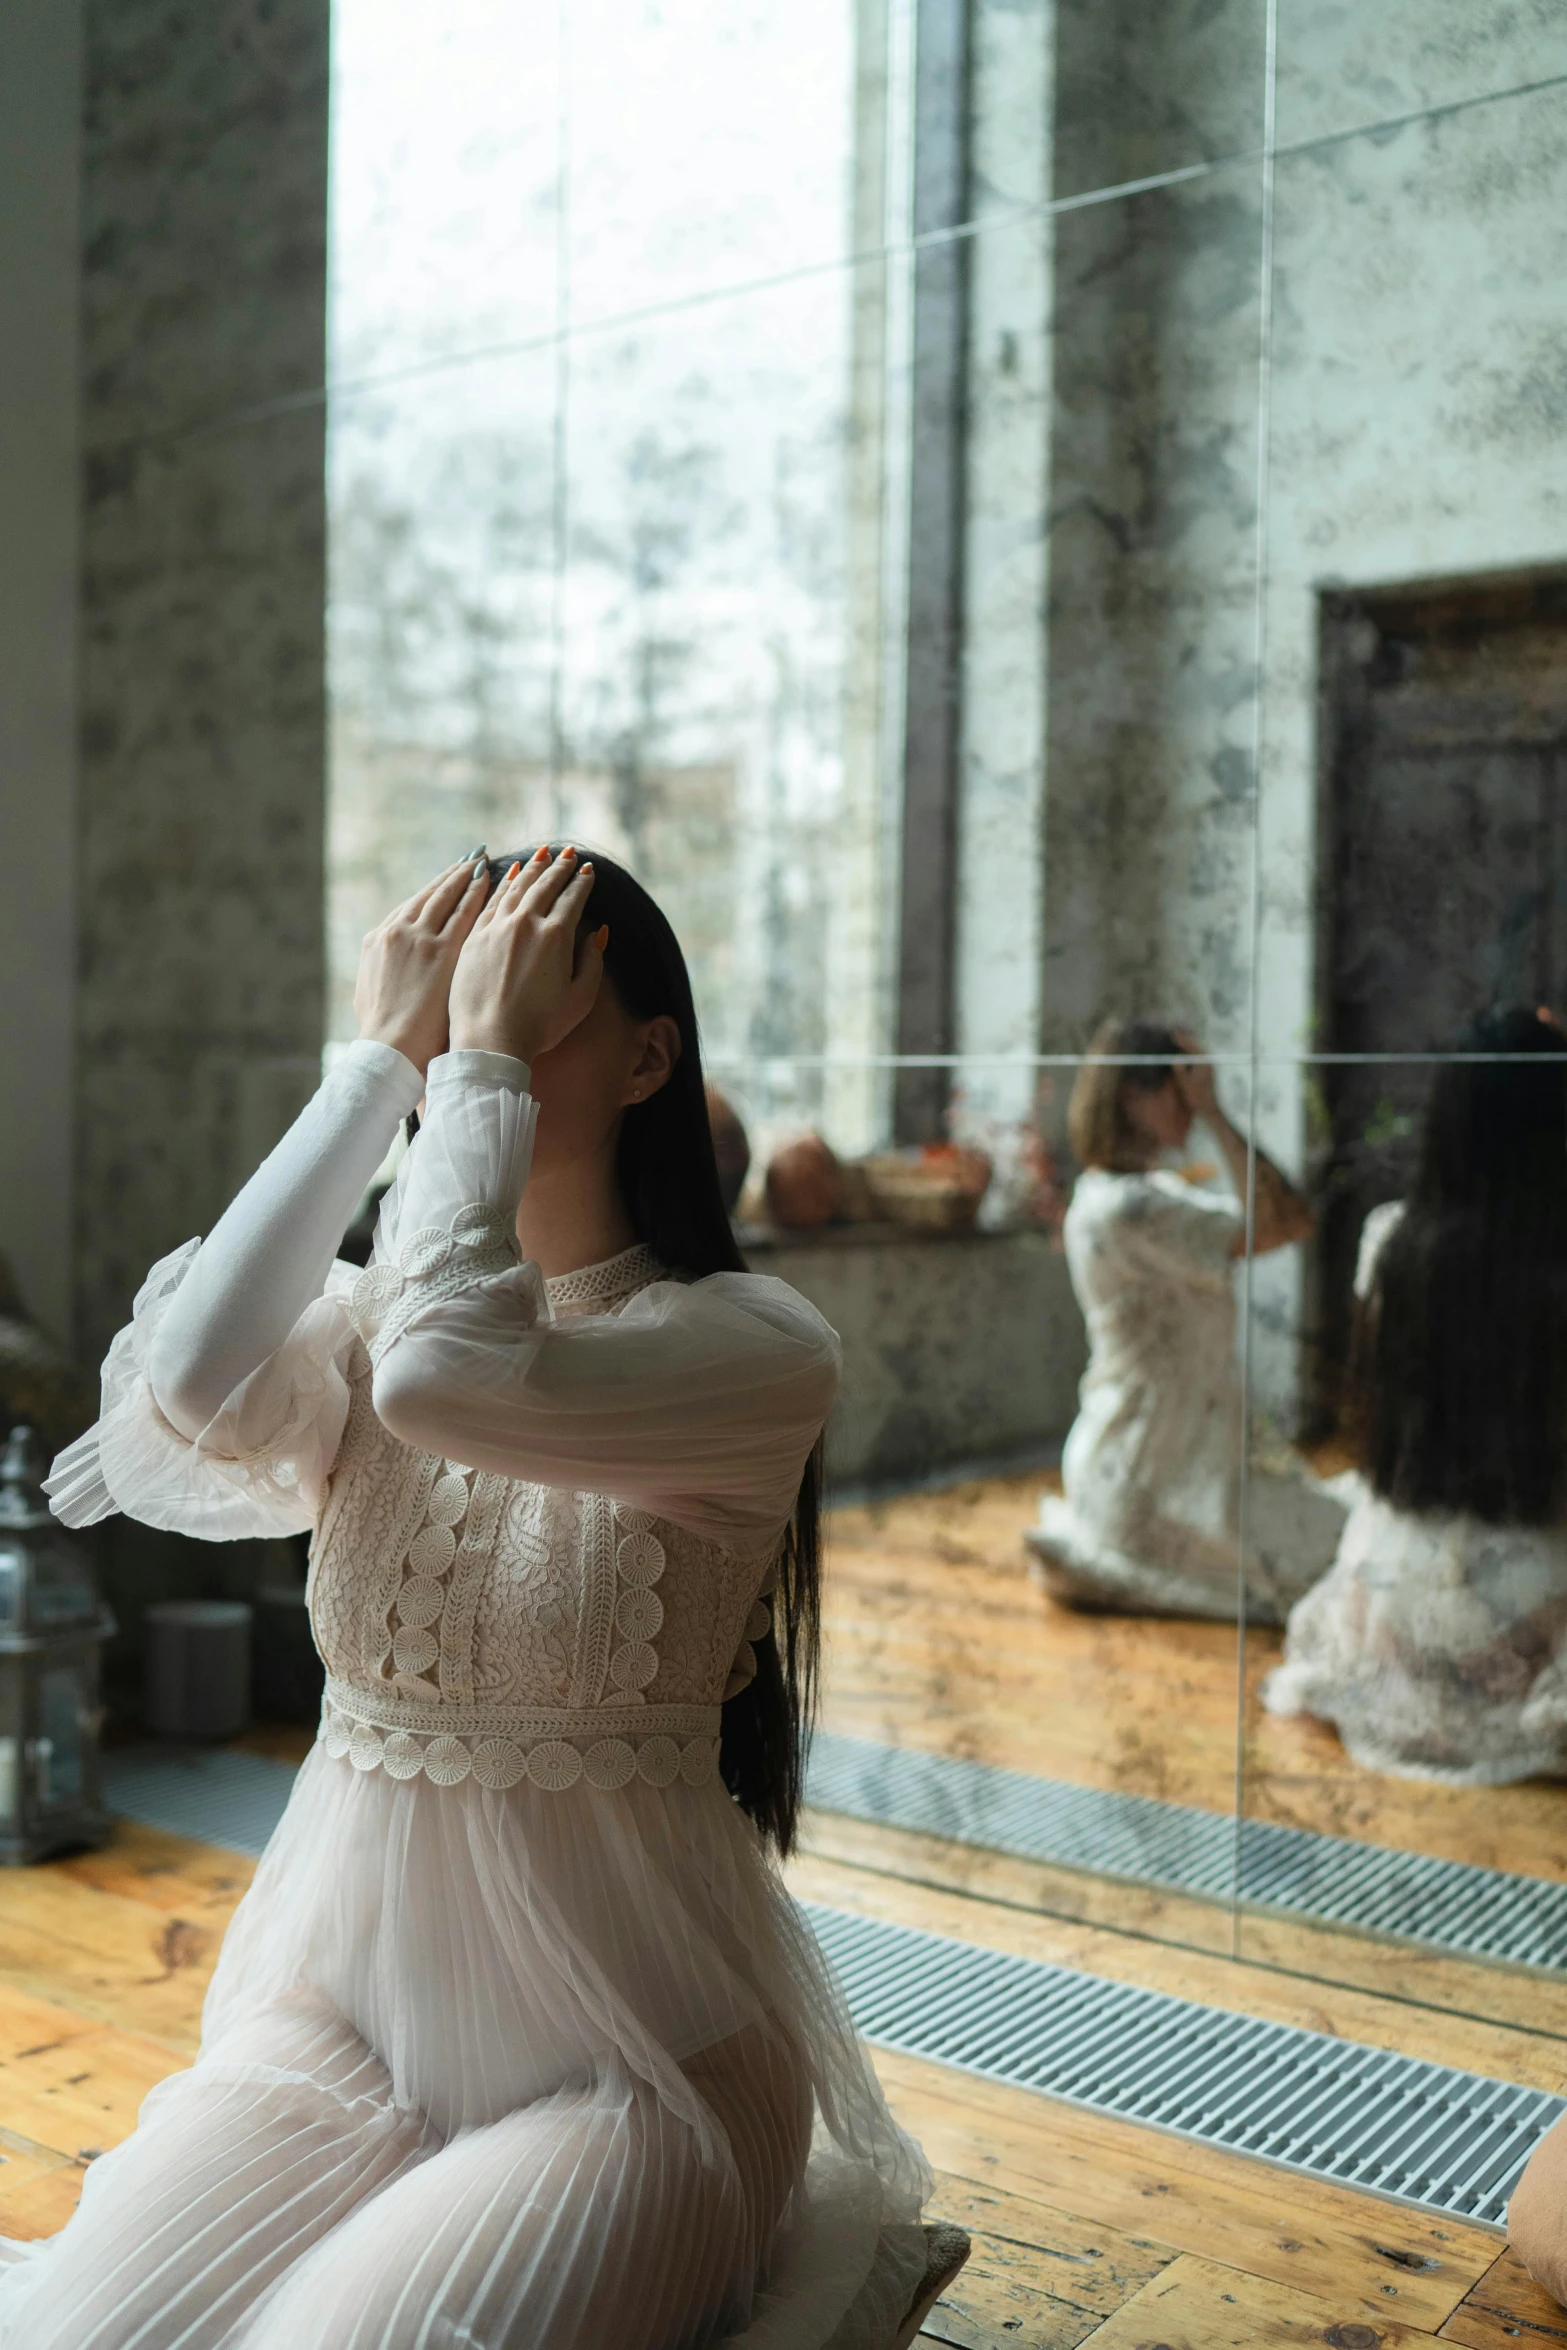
pixel 524 979
pixel 1194 1080
pixel 406 963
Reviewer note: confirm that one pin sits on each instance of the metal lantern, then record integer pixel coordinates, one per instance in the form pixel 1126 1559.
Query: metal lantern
pixel 52 1629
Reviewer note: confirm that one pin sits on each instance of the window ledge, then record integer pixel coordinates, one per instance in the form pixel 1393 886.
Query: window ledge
pixel 760 1239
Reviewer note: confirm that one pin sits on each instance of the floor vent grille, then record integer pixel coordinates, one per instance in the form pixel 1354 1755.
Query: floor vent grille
pixel 1363 2117
pixel 1450 1905
pixel 1422 2132
pixel 216 1794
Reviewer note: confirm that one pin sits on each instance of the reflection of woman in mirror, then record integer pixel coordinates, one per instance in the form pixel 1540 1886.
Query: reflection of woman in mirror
pixel 1438 1643
pixel 1152 1465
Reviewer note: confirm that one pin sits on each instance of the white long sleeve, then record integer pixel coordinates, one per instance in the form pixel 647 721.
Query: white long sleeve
pixel 224 1403
pixel 269 1253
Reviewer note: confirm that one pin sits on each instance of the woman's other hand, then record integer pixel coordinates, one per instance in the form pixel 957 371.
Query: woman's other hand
pixel 524 978
pixel 1279 1214
pixel 406 963
pixel 1194 1080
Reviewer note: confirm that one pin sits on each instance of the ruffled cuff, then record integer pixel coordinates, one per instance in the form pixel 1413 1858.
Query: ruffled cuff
pixel 261 1465
pixel 502 1070
pixel 474 1145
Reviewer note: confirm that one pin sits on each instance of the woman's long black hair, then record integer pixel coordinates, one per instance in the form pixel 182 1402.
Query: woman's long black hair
pixel 669 1180
pixel 1459 1363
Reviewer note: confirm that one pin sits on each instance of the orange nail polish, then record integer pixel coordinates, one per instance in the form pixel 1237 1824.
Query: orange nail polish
pixel 601 937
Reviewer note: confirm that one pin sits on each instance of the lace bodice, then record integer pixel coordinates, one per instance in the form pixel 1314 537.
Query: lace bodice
pixel 473 1622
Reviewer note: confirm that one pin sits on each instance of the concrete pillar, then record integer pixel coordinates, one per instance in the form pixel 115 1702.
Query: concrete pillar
pixel 1006 568
pixel 200 824
pixel 40 111
pixel 1156 343
pixel 932 719
pixel 863 875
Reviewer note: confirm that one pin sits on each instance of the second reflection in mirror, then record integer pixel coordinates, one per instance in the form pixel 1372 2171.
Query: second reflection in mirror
pixel 1437 1645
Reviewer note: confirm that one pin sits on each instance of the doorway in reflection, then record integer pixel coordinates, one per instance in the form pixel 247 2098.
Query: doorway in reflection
pixel 1442 825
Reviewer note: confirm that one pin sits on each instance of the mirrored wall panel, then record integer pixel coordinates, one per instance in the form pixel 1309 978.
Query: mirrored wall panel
pixel 1402 1798
pixel 1406 1727
pixel 1041 533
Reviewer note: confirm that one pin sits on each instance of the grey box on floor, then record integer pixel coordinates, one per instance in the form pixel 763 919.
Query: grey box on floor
pixel 198 1668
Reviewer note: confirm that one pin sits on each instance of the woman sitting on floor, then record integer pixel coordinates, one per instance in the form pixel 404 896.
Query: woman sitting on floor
pixel 1438 1643
pixel 1150 1522
pixel 516 2041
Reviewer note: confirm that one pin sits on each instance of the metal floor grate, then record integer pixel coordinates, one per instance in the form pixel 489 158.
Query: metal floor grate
pixel 216 1794
pixel 1363 2117
pixel 1485 1913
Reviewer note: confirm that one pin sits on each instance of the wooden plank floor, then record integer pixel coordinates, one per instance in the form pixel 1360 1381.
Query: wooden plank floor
pixel 937 1639
pixel 1085 2229
pixel 1089 2229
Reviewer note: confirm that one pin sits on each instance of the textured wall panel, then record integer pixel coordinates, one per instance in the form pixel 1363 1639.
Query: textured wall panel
pixel 200 974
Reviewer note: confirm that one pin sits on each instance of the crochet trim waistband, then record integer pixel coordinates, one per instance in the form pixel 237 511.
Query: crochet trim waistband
pixel 605 1746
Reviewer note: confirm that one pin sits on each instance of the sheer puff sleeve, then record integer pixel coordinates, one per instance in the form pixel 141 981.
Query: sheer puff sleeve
pixel 260 1465
pixel 699 1401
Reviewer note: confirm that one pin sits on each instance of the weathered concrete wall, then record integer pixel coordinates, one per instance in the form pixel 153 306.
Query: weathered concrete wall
pixel 1142 90
pixel 1000 828
pixel 200 975
pixel 40 110
pixel 1156 340
pixel 1418 360
pixel 955 1349
pixel 1419 365
pixel 1413 371
pixel 1410 372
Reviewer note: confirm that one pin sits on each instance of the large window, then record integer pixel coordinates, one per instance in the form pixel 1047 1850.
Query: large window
pixel 613 489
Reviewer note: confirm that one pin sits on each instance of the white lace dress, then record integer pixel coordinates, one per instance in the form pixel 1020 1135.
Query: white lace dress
pixel 1150 1521
pixel 516 2042
pixel 1437 1645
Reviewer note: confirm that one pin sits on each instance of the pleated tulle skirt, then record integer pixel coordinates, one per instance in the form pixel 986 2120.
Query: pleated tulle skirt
pixel 489 2070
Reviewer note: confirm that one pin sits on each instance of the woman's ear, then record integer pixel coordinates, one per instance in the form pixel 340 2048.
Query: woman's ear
pixel 656 1058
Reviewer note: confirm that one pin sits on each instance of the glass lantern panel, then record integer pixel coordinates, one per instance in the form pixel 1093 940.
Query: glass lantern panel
pixel 63 1590
pixel 11 1581
pixel 61 1706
